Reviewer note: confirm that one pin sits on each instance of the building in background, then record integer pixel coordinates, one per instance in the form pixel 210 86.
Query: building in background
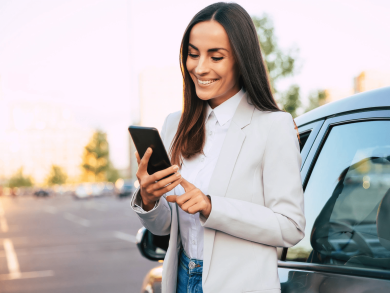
pixel 370 80
pixel 160 93
pixel 367 80
pixel 37 135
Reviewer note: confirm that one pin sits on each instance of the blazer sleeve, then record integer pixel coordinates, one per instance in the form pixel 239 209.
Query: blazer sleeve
pixel 157 220
pixel 280 222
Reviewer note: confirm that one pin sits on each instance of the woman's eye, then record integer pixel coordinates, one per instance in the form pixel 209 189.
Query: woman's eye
pixel 217 58
pixel 193 55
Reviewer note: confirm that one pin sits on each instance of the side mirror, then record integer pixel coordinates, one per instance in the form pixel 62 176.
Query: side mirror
pixel 151 246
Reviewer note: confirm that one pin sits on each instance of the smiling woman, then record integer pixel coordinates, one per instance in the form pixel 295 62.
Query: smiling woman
pixel 238 195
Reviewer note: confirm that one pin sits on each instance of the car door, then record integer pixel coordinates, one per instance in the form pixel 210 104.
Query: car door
pixel 346 179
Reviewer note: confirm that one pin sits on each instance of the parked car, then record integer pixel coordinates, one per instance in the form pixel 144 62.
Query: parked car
pixel 83 191
pixel 41 193
pixel 345 172
pixel 126 189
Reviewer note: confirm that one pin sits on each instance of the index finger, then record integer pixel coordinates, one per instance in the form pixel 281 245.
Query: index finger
pixel 187 185
pixel 143 166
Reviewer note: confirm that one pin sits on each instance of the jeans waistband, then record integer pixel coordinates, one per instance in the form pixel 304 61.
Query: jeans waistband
pixel 193 265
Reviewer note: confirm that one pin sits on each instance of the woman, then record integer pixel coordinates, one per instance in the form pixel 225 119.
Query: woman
pixel 238 195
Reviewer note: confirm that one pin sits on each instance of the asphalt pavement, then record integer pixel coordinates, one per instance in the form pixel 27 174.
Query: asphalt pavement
pixel 63 245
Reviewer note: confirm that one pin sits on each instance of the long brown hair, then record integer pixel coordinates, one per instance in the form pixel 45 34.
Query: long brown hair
pixel 190 136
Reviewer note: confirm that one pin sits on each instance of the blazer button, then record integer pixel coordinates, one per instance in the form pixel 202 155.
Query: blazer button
pixel 191 265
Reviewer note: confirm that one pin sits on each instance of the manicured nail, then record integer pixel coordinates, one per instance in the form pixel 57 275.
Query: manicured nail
pixel 178 174
pixel 149 150
pixel 175 168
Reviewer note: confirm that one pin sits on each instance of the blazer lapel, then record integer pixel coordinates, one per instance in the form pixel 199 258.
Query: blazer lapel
pixel 224 168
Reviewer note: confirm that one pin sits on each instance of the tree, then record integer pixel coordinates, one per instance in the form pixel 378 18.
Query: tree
pixel 19 180
pixel 316 99
pixel 280 64
pixel 291 101
pixel 112 174
pixel 56 176
pixel 96 164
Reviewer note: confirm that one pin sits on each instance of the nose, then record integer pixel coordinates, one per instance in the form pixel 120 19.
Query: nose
pixel 202 68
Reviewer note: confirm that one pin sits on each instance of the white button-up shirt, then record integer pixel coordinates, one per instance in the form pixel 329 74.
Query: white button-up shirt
pixel 199 169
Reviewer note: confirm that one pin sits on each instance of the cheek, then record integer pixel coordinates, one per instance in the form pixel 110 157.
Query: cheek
pixel 190 64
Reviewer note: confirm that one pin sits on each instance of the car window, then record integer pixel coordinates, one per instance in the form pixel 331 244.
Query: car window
pixel 347 199
pixel 303 138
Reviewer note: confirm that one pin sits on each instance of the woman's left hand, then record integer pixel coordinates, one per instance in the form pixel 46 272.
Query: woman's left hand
pixel 193 200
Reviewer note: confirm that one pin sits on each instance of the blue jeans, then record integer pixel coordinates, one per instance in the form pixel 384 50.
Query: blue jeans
pixel 189 275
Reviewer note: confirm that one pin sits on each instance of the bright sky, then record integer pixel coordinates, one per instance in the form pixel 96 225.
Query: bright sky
pixel 87 54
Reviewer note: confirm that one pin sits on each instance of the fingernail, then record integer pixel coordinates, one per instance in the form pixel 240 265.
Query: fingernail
pixel 149 150
pixel 175 168
pixel 178 174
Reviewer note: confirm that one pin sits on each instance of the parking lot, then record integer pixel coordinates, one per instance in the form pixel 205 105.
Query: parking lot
pixel 61 245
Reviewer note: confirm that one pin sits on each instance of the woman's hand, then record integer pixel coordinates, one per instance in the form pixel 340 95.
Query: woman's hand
pixel 151 188
pixel 193 200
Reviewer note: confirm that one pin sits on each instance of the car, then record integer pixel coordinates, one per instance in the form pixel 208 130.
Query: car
pixel 125 189
pixel 83 191
pixel 345 172
pixel 41 193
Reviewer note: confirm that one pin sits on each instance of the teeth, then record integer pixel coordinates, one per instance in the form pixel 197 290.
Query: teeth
pixel 206 81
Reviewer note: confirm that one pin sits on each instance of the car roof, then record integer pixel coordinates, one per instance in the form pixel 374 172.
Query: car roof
pixel 371 99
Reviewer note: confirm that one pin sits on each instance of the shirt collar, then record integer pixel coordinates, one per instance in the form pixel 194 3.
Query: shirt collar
pixel 226 110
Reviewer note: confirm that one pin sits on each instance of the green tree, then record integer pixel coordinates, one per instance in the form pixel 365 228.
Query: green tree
pixel 112 174
pixel 96 163
pixel 20 180
pixel 280 64
pixel 291 101
pixel 56 176
pixel 316 99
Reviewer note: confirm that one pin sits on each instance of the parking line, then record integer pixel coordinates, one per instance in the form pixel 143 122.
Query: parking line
pixel 27 275
pixel 12 260
pixel 124 236
pixel 77 220
pixel 3 221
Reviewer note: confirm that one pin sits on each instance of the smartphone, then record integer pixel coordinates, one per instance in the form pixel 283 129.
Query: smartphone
pixel 144 137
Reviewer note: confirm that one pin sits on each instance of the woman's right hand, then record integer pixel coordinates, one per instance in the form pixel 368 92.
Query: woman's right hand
pixel 152 188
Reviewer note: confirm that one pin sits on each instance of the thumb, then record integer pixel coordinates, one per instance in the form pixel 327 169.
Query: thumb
pixel 171 198
pixel 186 185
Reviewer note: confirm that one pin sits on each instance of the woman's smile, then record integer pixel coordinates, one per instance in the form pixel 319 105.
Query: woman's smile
pixel 206 82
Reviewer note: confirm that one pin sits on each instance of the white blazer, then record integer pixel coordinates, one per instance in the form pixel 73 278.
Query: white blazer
pixel 257 205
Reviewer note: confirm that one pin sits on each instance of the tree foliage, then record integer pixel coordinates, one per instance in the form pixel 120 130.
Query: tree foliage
pixel 280 64
pixel 20 180
pixel 96 164
pixel 316 99
pixel 56 176
pixel 291 101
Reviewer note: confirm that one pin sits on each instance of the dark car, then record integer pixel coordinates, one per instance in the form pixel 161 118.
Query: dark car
pixel 345 172
pixel 41 193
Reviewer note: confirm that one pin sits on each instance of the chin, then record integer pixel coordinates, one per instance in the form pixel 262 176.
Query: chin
pixel 205 95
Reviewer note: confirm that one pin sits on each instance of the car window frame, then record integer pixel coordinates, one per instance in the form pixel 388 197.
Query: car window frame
pixel 306 169
pixel 314 128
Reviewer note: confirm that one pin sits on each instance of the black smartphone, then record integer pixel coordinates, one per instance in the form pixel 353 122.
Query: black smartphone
pixel 144 137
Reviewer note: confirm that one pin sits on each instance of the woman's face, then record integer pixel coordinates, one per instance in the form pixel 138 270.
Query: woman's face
pixel 211 63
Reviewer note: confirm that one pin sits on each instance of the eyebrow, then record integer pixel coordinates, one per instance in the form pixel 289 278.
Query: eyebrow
pixel 209 50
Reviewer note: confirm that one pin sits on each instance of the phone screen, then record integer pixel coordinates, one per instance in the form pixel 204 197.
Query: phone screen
pixel 144 137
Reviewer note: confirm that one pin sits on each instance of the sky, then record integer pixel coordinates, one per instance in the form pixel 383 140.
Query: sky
pixel 87 54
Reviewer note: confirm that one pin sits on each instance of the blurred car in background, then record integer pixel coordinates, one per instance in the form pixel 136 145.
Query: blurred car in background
pixel 41 193
pixel 83 191
pixel 124 188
